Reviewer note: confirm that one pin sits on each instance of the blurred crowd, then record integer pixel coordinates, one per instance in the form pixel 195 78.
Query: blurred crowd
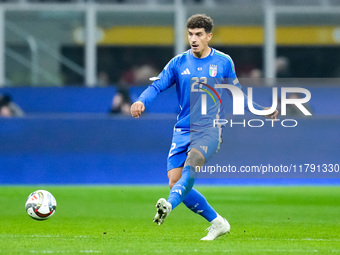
pixel 8 108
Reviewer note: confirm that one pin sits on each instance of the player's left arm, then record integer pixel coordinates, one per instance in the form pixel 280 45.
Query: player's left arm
pixel 231 74
pixel 273 115
pixel 257 106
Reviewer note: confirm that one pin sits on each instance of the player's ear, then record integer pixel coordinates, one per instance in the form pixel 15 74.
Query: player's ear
pixel 210 35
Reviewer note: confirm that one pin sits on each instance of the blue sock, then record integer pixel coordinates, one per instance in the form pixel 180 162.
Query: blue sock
pixel 197 203
pixel 182 187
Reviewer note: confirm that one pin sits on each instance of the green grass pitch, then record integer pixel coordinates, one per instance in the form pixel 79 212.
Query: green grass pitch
pixel 118 220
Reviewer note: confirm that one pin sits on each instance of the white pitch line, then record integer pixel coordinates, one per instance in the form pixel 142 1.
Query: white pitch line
pixel 63 252
pixel 297 239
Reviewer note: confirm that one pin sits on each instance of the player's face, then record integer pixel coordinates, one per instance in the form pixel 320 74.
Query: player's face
pixel 198 40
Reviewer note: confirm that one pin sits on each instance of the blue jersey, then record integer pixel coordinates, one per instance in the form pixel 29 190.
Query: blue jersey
pixel 191 75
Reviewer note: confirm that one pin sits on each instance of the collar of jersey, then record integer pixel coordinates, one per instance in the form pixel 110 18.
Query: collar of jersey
pixel 211 53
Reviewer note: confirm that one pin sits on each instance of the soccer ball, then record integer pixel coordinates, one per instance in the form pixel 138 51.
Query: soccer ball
pixel 40 205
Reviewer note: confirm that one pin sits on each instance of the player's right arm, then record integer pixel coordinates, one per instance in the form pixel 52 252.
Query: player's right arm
pixel 137 108
pixel 165 80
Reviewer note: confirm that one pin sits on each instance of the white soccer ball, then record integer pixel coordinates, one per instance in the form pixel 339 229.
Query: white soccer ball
pixel 41 205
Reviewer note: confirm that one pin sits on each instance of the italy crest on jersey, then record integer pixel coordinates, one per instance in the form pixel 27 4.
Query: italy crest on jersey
pixel 213 70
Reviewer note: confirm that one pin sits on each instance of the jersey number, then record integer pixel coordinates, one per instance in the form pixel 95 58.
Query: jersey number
pixel 197 83
pixel 173 146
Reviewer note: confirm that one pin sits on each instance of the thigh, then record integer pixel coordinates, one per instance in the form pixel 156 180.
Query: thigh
pixel 178 151
pixel 207 142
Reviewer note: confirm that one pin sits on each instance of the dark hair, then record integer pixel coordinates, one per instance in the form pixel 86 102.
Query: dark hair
pixel 200 21
pixel 5 99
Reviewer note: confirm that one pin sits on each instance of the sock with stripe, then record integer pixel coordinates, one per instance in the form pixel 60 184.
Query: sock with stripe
pixel 197 203
pixel 182 187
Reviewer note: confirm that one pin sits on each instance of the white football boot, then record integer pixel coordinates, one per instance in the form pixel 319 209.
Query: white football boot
pixel 219 227
pixel 163 210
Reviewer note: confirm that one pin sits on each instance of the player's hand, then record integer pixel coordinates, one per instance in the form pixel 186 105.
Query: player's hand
pixel 272 115
pixel 137 108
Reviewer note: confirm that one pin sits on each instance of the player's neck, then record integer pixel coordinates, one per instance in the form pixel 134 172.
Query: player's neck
pixel 204 53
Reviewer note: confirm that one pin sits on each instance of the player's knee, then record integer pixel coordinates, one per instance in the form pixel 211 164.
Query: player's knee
pixel 195 158
pixel 174 175
pixel 172 183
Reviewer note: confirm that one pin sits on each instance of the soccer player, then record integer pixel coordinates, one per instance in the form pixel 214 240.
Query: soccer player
pixel 195 141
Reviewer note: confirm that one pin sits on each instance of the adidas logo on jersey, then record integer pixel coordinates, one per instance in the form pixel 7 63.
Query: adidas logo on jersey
pixel 204 148
pixel 186 71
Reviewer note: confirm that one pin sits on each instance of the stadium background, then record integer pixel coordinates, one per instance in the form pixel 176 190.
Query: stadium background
pixel 64 81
